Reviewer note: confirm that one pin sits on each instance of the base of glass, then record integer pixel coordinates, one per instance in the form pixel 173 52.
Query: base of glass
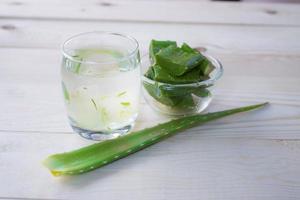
pixel 102 135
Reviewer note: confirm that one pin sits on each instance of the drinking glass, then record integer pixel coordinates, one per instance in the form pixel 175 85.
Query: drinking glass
pixel 101 83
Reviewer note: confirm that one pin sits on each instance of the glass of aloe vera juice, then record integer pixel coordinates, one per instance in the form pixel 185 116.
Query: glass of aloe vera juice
pixel 101 83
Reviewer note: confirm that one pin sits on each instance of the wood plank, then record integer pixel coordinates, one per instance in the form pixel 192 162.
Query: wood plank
pixel 33 100
pixel 155 11
pixel 251 156
pixel 206 168
pixel 225 39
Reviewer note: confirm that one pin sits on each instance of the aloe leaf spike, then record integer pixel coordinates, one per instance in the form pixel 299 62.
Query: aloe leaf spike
pixel 94 156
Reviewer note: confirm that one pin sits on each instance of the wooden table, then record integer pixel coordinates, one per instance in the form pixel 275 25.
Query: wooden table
pixel 250 156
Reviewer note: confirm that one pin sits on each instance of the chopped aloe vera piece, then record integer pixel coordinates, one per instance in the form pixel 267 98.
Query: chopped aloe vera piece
pixel 76 65
pixel 162 75
pixel 187 102
pixel 201 92
pixel 185 47
pixel 121 94
pixel 156 45
pixel 125 103
pixel 65 91
pixel 150 73
pixel 174 65
pixel 206 67
pixel 156 92
pixel 97 155
pixel 176 61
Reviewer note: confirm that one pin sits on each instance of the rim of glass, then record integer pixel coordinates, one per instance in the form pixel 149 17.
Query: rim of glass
pixel 211 80
pixel 125 58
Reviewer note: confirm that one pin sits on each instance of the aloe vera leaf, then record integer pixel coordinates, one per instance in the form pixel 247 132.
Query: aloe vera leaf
pixel 156 92
pixel 206 67
pixel 175 96
pixel 202 92
pixel 156 46
pixel 125 103
pixel 187 98
pixel 185 47
pixel 150 73
pixel 187 102
pixel 65 91
pixel 162 75
pixel 94 156
pixel 172 91
pixel 176 61
pixel 76 65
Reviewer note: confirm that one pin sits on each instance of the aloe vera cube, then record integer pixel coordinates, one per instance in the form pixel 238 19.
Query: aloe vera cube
pixel 176 61
pixel 162 75
pixel 206 67
pixel 202 92
pixel 187 102
pixel 156 92
pixel 185 47
pixel 156 46
pixel 150 73
pixel 65 92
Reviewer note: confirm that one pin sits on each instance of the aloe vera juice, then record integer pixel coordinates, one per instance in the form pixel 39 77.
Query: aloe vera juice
pixel 101 90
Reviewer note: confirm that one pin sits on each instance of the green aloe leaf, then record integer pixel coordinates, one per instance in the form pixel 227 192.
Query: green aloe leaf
pixel 176 61
pixel 158 93
pixel 206 67
pixel 162 75
pixel 156 46
pixel 94 156
pixel 65 92
pixel 174 65
pixel 185 47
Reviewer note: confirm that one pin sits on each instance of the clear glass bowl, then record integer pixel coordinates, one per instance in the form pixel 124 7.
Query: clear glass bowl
pixel 180 99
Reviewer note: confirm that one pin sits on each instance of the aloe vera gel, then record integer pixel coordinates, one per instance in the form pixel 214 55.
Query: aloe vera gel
pixel 101 84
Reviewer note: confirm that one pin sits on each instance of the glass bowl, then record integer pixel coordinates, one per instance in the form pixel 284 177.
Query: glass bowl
pixel 180 99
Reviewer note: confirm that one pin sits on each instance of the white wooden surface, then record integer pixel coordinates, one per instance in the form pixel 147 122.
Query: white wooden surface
pixel 247 157
pixel 154 11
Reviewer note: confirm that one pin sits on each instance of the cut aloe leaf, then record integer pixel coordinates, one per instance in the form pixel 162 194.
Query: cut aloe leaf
pixel 100 154
pixel 202 92
pixel 162 75
pixel 155 90
pixel 150 73
pixel 176 61
pixel 185 47
pixel 65 92
pixel 156 46
pixel 206 67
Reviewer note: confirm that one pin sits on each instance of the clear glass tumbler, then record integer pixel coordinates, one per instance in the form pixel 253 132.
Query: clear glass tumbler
pixel 101 83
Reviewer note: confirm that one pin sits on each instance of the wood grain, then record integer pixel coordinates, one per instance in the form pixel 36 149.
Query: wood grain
pixel 33 100
pixel 198 12
pixel 222 38
pixel 252 156
pixel 187 163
